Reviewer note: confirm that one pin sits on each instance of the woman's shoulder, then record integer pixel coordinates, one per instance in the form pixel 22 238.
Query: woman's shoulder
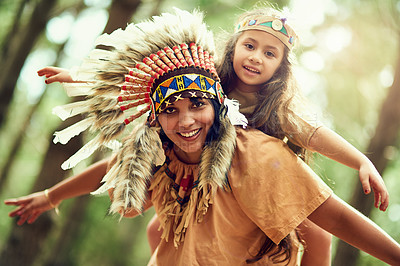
pixel 254 138
pixel 253 147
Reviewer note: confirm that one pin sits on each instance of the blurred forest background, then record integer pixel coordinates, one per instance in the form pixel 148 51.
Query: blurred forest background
pixel 348 67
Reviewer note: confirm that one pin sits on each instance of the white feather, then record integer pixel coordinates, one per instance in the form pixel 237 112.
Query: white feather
pixel 114 145
pixel 236 118
pixel 115 39
pixel 108 180
pixel 100 54
pixel 86 72
pixel 82 154
pixel 70 110
pixel 77 89
pixel 65 135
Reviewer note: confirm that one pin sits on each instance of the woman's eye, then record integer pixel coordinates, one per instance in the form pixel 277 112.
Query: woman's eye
pixel 169 110
pixel 198 104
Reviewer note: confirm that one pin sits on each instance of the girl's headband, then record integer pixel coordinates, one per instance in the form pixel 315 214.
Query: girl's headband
pixel 273 25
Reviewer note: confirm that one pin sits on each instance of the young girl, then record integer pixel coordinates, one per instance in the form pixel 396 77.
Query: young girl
pixel 255 69
pixel 214 206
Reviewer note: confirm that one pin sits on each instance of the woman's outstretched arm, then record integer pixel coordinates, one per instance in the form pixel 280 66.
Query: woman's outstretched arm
pixel 30 207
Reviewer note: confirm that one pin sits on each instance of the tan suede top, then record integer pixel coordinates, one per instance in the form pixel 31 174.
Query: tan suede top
pixel 272 192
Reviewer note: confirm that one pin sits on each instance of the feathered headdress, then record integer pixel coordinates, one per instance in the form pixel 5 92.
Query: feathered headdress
pixel 146 67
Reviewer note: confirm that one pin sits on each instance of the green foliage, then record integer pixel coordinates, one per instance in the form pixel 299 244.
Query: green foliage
pixel 352 87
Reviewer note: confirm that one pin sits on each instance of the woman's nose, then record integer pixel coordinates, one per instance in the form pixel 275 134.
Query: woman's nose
pixel 186 119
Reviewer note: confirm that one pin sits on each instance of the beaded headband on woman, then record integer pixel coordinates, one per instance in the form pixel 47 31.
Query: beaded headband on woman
pixel 271 24
pixel 172 74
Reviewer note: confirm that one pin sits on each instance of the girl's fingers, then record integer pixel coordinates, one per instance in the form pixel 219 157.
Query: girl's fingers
pixel 377 198
pixel 381 194
pixel 384 201
pixel 47 70
pixel 44 72
pixel 365 183
pixel 366 187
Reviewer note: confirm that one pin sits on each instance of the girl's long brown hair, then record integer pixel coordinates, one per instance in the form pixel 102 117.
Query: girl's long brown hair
pixel 274 108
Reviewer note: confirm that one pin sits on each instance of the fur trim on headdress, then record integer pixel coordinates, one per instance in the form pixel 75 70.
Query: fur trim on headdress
pixel 131 174
pixel 217 156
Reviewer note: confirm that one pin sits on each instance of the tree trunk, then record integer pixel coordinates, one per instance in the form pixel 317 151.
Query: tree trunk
pixel 156 8
pixel 18 140
pixel 18 52
pixel 121 12
pixel 24 242
pixel 59 255
pixel 8 40
pixel 386 135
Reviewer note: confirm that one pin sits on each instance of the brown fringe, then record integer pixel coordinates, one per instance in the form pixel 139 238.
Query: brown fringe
pixel 174 218
pixel 214 167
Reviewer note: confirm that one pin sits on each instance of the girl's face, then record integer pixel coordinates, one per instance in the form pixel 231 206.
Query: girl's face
pixel 257 56
pixel 186 123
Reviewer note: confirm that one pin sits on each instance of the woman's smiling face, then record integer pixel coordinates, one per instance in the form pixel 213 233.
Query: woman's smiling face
pixel 186 123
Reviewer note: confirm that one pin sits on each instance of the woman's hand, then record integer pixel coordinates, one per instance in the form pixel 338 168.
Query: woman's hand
pixel 30 207
pixel 370 178
pixel 55 74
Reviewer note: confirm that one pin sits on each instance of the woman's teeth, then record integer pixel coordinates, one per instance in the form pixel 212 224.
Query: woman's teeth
pixel 190 134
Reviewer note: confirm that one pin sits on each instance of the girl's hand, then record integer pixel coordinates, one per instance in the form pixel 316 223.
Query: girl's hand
pixel 370 177
pixel 55 74
pixel 30 207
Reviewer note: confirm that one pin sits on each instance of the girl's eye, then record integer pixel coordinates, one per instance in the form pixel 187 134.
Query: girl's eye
pixel 270 54
pixel 249 46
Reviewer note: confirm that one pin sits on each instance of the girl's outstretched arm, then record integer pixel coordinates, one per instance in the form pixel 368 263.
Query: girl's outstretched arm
pixel 56 74
pixel 330 144
pixel 343 221
pixel 32 206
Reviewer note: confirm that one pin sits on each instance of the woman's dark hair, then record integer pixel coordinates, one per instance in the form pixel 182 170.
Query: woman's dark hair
pixel 278 253
pixel 212 133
